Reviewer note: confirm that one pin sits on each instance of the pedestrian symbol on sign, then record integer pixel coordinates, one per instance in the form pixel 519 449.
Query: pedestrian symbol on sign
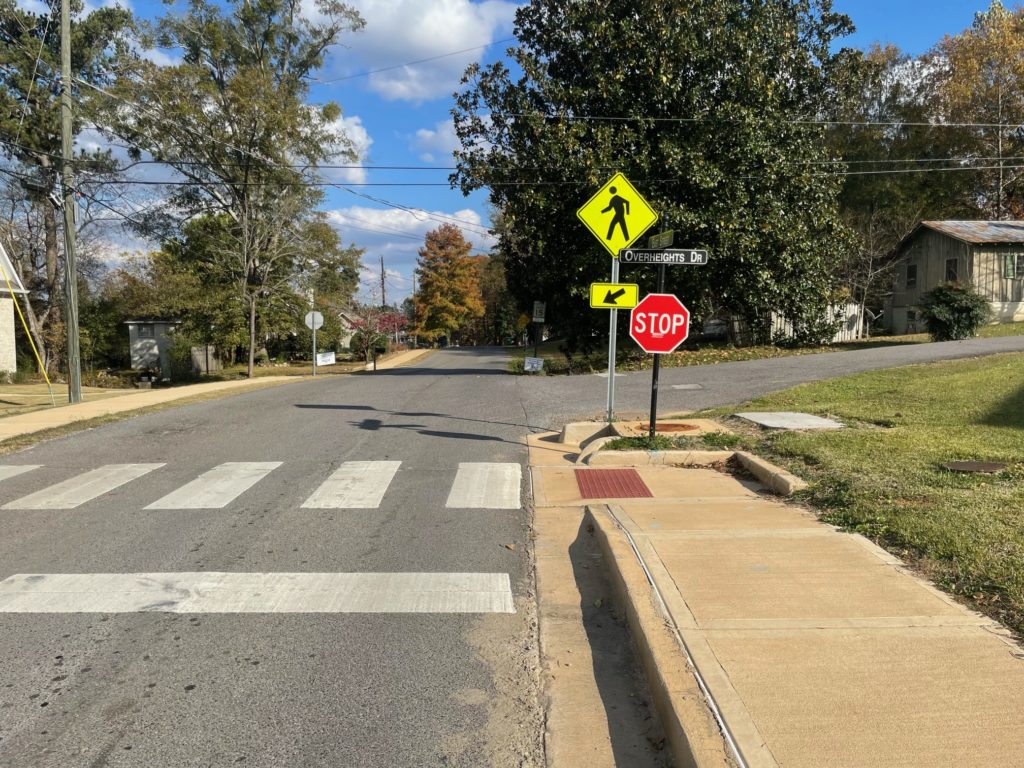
pixel 621 207
pixel 617 215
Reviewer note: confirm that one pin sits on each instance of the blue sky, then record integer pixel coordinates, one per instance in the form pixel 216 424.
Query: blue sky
pixel 401 116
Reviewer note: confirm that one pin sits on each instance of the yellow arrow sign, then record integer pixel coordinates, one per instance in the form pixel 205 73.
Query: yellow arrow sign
pixel 617 215
pixel 614 295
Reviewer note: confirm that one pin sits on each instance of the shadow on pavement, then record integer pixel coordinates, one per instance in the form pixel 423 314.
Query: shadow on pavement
pixel 413 414
pixel 636 737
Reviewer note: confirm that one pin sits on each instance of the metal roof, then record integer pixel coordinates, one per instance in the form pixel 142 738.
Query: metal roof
pixel 980 231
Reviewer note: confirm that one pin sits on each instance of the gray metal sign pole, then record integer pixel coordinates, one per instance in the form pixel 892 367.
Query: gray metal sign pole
pixel 612 326
pixel 314 349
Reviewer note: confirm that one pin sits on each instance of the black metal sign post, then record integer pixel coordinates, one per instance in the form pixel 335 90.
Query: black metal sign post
pixel 657 365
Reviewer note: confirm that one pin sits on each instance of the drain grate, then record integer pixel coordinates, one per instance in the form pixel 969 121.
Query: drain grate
pixel 611 484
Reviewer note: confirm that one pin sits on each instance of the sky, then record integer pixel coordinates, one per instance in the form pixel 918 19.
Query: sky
pixel 398 113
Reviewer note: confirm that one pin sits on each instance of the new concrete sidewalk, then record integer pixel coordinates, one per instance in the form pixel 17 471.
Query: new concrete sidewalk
pixel 134 400
pixel 813 647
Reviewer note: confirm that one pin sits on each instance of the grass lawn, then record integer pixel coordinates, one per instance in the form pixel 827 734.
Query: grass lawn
pixel 882 476
pixel 21 398
pixel 632 358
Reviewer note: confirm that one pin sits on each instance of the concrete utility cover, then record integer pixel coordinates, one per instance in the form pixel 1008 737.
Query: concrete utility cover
pixel 785 420
pixel 688 386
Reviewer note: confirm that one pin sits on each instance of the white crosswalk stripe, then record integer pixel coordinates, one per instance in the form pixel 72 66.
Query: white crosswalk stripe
pixel 217 487
pixel 76 491
pixel 480 485
pixel 220 592
pixel 8 471
pixel 354 485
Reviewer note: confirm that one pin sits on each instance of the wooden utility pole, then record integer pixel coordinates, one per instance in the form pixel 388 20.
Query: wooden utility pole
pixel 67 155
pixel 383 299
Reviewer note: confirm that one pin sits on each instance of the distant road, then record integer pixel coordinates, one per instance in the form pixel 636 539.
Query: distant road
pixel 554 400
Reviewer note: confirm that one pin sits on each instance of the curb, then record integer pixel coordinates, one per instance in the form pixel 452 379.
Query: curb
pixel 691 731
pixel 778 480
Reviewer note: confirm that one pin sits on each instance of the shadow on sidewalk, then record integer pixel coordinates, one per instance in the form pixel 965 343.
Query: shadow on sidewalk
pixel 633 728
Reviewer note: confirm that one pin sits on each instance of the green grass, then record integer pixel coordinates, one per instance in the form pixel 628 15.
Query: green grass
pixel 632 359
pixel 882 476
pixel 714 441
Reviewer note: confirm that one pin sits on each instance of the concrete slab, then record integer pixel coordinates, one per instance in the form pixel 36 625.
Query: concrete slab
pixel 669 482
pixel 785 577
pixel 892 697
pixel 666 516
pixel 547 450
pixel 787 420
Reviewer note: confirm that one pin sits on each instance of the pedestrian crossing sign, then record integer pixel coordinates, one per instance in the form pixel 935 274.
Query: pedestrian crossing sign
pixel 617 215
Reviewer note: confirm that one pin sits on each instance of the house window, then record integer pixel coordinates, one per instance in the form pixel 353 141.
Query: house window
pixel 911 275
pixel 951 270
pixel 146 331
pixel 1013 266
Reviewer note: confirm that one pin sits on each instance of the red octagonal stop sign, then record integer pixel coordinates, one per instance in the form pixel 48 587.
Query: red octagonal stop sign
pixel 659 323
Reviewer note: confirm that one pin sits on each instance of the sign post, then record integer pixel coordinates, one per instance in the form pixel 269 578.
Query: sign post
pixel 659 324
pixel 617 215
pixel 314 320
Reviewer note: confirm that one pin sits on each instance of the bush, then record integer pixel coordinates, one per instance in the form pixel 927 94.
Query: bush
pixel 954 311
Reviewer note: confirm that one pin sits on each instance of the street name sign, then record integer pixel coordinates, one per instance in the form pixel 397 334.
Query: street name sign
pixel 314 320
pixel 675 256
pixel 614 295
pixel 617 215
pixel 659 323
pixel 662 240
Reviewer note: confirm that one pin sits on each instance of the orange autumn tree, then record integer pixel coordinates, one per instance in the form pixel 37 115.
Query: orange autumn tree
pixel 449 284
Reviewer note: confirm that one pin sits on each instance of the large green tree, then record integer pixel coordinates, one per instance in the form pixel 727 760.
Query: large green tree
pixel 233 120
pixel 708 106
pixel 30 142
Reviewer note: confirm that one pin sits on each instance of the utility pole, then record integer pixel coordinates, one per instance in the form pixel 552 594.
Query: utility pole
pixel 383 300
pixel 67 153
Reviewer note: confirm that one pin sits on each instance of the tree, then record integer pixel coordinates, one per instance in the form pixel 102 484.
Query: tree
pixel 233 121
pixel 979 77
pixel 885 140
pixel 449 284
pixel 31 144
pixel 708 106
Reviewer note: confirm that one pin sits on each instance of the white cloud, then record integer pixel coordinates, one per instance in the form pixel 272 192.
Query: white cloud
pixel 399 31
pixel 397 235
pixel 353 128
pixel 437 143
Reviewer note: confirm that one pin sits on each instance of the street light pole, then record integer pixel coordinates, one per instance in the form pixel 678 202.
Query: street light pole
pixel 67 153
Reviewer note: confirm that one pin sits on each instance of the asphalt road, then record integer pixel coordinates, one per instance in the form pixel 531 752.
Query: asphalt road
pixel 267 687
pixel 555 400
pixel 279 689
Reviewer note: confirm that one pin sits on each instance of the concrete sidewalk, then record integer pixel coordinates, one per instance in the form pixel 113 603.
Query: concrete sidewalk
pixel 134 400
pixel 811 646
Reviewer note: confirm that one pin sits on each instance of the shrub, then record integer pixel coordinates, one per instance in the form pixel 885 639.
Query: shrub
pixel 954 311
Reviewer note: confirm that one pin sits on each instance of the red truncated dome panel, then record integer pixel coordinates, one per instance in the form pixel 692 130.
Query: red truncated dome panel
pixel 611 484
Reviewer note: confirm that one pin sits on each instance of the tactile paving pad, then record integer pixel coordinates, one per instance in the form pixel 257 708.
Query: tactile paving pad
pixel 611 484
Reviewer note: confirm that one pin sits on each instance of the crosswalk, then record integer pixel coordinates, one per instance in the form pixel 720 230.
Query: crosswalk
pixel 352 485
pixel 361 485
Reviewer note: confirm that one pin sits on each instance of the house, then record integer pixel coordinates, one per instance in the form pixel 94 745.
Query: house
pixel 150 344
pixel 349 325
pixel 10 287
pixel 988 254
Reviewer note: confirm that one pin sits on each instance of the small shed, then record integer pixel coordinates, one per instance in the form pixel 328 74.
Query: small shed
pixel 150 345
pixel 987 254
pixel 10 288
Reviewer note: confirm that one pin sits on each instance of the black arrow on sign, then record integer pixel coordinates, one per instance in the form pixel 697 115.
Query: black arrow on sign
pixel 611 298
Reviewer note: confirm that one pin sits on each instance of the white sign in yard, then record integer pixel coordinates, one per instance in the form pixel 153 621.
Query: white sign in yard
pixel 326 358
pixel 533 364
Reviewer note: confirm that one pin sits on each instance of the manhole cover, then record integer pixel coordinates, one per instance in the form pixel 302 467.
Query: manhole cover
pixel 611 484
pixel 978 467
pixel 676 427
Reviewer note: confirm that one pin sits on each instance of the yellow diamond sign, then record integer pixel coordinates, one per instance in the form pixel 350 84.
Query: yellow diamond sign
pixel 617 215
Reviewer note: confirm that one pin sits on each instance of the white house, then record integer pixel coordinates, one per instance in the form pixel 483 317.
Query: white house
pixel 10 287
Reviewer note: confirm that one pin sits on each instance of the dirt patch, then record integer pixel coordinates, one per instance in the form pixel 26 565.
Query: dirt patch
pixel 667 428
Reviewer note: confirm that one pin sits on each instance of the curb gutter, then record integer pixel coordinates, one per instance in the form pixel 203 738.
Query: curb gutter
pixel 696 737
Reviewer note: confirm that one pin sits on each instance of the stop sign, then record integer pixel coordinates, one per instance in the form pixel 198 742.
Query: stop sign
pixel 659 323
